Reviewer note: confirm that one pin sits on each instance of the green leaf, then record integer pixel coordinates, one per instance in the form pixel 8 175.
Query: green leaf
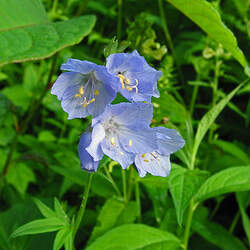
pixel 183 185
pixel 232 149
pixel 107 217
pixel 243 201
pixel 229 180
pixel 27 34
pixel 208 119
pixel 18 95
pixel 6 135
pixel 20 176
pixel 60 211
pixel 39 226
pixel 153 181
pixel 217 235
pixel 61 238
pixel 133 237
pixel 46 136
pixel 69 241
pixel 207 17
pixel 44 209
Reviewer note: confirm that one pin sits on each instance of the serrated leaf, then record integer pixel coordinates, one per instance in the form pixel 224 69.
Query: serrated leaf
pixel 204 14
pixel 20 176
pixel 44 209
pixel 133 237
pixel 217 235
pixel 61 238
pixel 229 180
pixel 39 226
pixel 208 119
pixel 183 185
pixel 27 34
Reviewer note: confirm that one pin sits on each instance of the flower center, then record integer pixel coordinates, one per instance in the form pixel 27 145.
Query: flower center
pixel 126 83
pixel 89 92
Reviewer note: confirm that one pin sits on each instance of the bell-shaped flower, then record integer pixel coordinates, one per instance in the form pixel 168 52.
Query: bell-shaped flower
pixel 157 162
pixel 85 90
pixel 87 161
pixel 121 132
pixel 138 80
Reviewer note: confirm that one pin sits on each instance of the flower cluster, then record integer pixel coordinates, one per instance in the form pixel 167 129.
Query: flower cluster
pixel 121 131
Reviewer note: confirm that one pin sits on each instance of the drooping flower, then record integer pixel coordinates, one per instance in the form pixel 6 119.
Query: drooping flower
pixel 157 162
pixel 87 161
pixel 85 90
pixel 121 132
pixel 138 80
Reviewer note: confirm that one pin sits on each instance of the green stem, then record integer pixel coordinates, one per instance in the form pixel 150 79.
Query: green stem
pixel 83 205
pixel 138 200
pixel 234 223
pixel 130 182
pixel 188 225
pixel 194 96
pixel 119 21
pixel 82 8
pixel 169 39
pixel 112 182
pixel 54 6
pixel 124 185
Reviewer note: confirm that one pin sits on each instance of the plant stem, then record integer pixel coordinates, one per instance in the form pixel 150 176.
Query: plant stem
pixel 138 200
pixel 188 225
pixel 82 8
pixel 169 39
pixel 124 185
pixel 130 182
pixel 194 96
pixel 234 223
pixel 119 21
pixel 112 182
pixel 83 205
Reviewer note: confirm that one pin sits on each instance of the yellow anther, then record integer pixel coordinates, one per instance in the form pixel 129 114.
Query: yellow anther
pixel 127 80
pixel 96 92
pixel 92 100
pixel 121 153
pixel 130 143
pixel 112 141
pixel 85 105
pixel 143 155
pixel 129 88
pixel 77 95
pixel 81 90
pixel 146 160
pixel 121 76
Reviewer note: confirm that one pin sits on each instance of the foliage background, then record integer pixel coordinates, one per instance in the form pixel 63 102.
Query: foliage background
pixel 203 203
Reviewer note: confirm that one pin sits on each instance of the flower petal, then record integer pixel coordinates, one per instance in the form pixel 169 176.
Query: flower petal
pixel 87 161
pixel 64 81
pixel 74 65
pixel 169 140
pixel 112 148
pixel 153 163
pixel 138 140
pixel 94 148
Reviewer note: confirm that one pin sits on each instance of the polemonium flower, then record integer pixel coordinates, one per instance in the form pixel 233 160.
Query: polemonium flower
pixel 87 161
pixel 121 132
pixel 157 162
pixel 85 90
pixel 138 81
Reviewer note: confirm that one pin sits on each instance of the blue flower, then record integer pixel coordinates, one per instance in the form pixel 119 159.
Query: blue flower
pixel 138 81
pixel 87 161
pixel 121 132
pixel 85 90
pixel 157 162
